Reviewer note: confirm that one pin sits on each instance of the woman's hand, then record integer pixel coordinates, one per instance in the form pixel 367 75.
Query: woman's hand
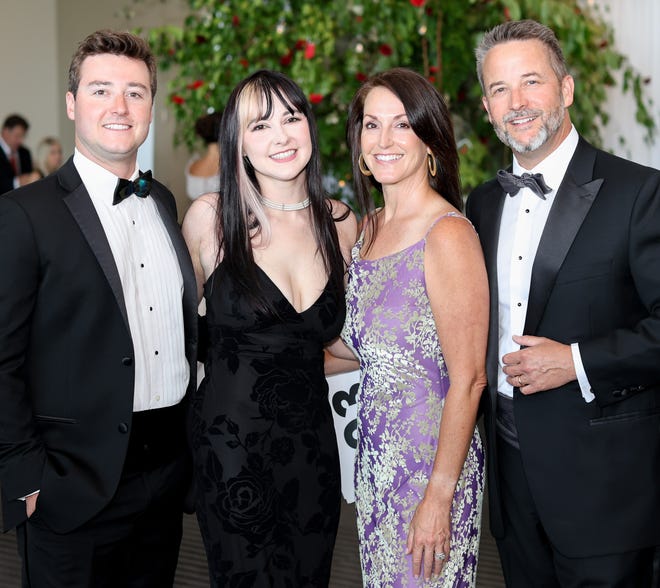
pixel 428 537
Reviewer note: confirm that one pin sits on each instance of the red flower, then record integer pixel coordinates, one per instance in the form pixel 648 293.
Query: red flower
pixel 359 18
pixel 507 13
pixel 285 60
pixel 604 43
pixel 385 49
pixel 178 99
pixel 417 3
pixel 196 84
pixel 244 62
pixel 360 76
pixel 310 51
pixel 235 20
pixel 433 69
pixel 315 98
pixel 200 39
pixel 432 79
pixel 300 44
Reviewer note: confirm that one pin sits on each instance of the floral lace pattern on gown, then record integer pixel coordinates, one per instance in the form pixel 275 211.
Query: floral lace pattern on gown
pixel 265 454
pixel 402 393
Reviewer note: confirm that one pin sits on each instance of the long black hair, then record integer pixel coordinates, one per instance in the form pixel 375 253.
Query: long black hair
pixel 241 216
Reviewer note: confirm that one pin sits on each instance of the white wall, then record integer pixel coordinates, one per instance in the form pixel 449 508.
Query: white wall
pixel 636 26
pixel 28 62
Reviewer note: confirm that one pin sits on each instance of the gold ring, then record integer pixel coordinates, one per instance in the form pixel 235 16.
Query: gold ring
pixel 520 382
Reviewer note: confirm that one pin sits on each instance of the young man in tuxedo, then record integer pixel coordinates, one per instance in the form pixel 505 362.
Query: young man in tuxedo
pixel 97 343
pixel 572 410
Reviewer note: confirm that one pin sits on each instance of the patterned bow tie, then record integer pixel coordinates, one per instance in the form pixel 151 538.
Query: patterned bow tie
pixel 512 183
pixel 141 187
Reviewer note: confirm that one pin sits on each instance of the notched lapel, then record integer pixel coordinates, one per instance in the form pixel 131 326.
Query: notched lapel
pixel 571 205
pixel 80 205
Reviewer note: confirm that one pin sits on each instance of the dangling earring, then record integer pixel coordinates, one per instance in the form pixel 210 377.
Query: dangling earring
pixel 433 166
pixel 363 168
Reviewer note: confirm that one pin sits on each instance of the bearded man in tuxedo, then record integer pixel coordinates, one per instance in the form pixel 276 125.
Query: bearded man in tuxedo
pixel 572 411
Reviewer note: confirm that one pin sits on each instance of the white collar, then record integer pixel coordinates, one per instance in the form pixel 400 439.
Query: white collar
pixel 96 178
pixel 554 166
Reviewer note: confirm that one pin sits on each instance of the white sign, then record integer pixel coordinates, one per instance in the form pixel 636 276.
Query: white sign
pixel 342 395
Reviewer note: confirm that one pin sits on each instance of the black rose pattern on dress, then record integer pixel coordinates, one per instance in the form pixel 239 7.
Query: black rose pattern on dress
pixel 266 462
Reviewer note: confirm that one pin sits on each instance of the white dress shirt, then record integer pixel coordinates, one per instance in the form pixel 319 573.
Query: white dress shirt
pixel 152 284
pixel 523 220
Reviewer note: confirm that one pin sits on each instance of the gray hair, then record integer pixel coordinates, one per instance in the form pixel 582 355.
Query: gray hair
pixel 521 30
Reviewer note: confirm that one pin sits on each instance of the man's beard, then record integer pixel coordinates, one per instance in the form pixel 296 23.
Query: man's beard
pixel 547 130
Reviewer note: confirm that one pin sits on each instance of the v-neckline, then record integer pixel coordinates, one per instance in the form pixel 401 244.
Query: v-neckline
pixel 299 313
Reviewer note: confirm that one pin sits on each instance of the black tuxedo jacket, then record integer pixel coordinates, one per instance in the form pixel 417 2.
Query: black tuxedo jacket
pixel 593 468
pixel 7 171
pixel 66 355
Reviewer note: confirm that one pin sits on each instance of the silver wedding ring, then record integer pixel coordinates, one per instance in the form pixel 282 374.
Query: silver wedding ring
pixel 440 555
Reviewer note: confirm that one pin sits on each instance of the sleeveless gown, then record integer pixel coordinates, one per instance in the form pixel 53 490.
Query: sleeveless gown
pixel 264 448
pixel 403 386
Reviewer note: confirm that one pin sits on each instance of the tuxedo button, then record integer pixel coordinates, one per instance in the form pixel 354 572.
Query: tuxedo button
pixel 123 428
pixel 127 361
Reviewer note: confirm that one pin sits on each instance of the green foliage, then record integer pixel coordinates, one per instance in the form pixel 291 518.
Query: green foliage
pixel 328 48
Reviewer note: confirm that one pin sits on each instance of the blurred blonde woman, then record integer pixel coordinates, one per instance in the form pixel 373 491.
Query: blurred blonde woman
pixel 48 156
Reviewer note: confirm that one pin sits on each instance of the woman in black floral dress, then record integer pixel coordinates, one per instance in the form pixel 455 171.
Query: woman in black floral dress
pixel 269 251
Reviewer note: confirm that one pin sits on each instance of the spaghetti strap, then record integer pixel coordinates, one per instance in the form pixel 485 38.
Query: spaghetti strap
pixel 445 215
pixel 355 250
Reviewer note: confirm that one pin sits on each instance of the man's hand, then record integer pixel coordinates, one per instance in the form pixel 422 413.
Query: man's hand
pixel 541 365
pixel 31 503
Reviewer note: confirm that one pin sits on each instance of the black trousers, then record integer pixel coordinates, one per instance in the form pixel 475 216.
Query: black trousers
pixel 529 560
pixel 134 541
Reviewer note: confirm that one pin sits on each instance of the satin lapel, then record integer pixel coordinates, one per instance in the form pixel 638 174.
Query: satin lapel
pixel 572 203
pixel 84 213
pixel 489 234
pixel 183 256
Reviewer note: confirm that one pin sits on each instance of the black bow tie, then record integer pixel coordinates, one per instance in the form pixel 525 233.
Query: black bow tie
pixel 511 183
pixel 140 186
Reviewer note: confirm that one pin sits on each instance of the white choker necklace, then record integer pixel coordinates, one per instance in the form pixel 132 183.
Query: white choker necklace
pixel 280 206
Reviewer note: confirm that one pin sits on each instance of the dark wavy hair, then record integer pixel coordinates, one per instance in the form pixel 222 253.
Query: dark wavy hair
pixel 429 118
pixel 110 42
pixel 241 215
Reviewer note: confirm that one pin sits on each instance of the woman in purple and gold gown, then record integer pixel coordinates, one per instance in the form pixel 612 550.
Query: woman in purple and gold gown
pixel 417 319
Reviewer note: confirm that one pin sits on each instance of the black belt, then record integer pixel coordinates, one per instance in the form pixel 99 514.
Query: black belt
pixel 157 437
